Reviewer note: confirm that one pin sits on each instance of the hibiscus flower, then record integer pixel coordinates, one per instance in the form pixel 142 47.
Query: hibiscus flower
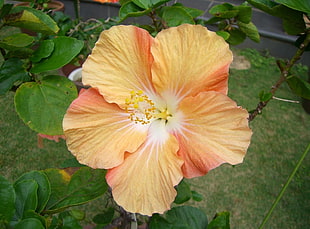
pixel 156 112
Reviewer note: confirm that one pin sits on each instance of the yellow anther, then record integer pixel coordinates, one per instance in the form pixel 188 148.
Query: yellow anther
pixel 127 101
pixel 163 115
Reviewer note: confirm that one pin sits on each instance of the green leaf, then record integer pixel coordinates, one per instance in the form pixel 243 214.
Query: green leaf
pixel 1 3
pixel 77 214
pixel 264 5
pixel 5 10
pixel 265 96
pixel 244 13
pixel 16 41
pixel 12 73
pixel 69 222
pixel 191 11
pixel 250 31
pixel 299 87
pixel 225 10
pixel 130 9
pixel 65 49
pixel 197 196
pixel 7 200
pixel 300 40
pixel 105 217
pixel 32 19
pixel 221 220
pixel 301 5
pixel 184 192
pixel 182 217
pixel 42 105
pixel 26 197
pixel 45 49
pixel 293 22
pixel 223 34
pixel 214 20
pixel 34 215
pixel 236 37
pixel 159 222
pixel 30 223
pixel 44 188
pixel 147 4
pixel 68 190
pixel 176 15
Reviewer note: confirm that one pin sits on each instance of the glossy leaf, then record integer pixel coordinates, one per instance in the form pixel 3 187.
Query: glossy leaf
pixel 35 215
pixel 301 5
pixel 244 13
pixel 16 41
pixel 224 11
pixel 26 197
pixel 65 49
pixel 105 217
pixel 7 200
pixel 265 96
pixel 191 11
pixel 69 222
pixel 236 37
pixel 68 190
pixel 182 217
pixel 250 30
pixel 32 19
pixel 183 193
pixel 30 223
pixel 299 87
pixel 221 220
pixel 77 214
pixel 147 4
pixel 130 9
pixel 176 15
pixel 12 73
pixel 223 34
pixel 44 189
pixel 293 22
pixel 214 20
pixel 159 222
pixel 197 196
pixel 45 50
pixel 5 10
pixel 300 40
pixel 43 104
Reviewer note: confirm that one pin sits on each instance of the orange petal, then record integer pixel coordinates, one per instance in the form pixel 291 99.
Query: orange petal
pixel 214 131
pixel 189 59
pixel 145 182
pixel 120 63
pixel 98 133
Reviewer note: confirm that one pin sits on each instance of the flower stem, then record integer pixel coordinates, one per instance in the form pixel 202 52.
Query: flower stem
pixel 133 224
pixel 284 187
pixel 284 74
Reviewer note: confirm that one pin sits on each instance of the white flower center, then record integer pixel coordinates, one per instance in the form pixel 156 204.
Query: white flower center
pixel 142 110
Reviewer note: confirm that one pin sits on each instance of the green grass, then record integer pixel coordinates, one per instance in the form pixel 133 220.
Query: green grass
pixel 248 190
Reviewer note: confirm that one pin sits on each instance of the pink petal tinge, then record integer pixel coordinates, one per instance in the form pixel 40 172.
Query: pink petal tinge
pixel 98 133
pixel 145 182
pixel 214 131
pixel 120 62
pixel 189 59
